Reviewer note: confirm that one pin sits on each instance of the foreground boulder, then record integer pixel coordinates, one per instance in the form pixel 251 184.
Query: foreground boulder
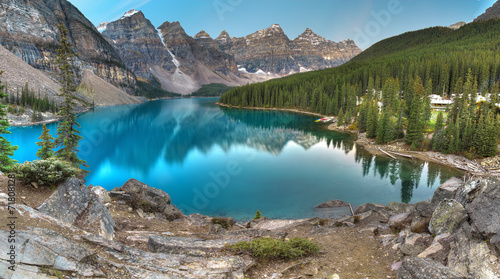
pixel 416 268
pixel 446 190
pixel 333 204
pixel 447 217
pixel 74 204
pixel 484 212
pixel 149 199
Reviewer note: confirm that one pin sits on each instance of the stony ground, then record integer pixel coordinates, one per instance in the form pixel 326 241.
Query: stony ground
pixel 348 252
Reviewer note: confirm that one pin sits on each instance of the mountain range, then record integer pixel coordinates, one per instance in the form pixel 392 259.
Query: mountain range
pixel 131 55
pixel 181 63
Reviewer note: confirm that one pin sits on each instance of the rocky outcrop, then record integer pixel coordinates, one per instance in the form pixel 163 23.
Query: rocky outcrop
pixel 271 51
pixel 416 268
pixel 464 219
pixel 332 204
pixel 447 217
pixel 75 204
pixel 148 199
pixel 138 44
pixel 29 31
pixel 457 25
pixel 168 56
pixel 188 245
pixel 491 13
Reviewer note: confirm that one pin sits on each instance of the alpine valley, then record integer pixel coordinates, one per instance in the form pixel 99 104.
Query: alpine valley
pixel 131 57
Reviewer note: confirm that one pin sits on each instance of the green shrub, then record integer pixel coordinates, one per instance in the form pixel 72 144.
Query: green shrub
pixel 48 172
pixel 224 222
pixel 258 215
pixel 274 249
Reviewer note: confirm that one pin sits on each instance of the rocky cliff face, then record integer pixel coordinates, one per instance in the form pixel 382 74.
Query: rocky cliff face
pixel 191 52
pixel 271 51
pixel 168 55
pixel 491 13
pixel 138 44
pixel 29 31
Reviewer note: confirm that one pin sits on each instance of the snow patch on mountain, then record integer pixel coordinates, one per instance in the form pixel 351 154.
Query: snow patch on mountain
pixel 130 13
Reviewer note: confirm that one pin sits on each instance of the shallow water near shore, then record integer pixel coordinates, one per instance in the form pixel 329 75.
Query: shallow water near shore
pixel 230 162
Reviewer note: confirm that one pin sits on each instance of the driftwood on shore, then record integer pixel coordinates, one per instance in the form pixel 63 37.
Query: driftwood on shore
pixel 402 155
pixel 386 153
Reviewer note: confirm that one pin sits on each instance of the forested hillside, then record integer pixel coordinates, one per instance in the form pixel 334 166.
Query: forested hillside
pixel 406 68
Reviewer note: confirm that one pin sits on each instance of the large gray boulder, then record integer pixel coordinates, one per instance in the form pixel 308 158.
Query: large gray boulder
pixel 484 213
pixel 472 256
pixel 145 197
pixel 446 190
pixel 75 204
pixel 332 204
pixel 417 268
pixel 447 217
pixel 102 194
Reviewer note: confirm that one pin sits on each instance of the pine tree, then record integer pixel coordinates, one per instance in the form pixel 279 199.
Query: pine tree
pixel 414 132
pixel 68 135
pixel 371 124
pixel 437 138
pixel 6 149
pixel 46 144
pixel 340 118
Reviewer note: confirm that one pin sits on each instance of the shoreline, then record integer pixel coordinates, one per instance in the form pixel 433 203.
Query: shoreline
pixel 275 109
pixel 474 166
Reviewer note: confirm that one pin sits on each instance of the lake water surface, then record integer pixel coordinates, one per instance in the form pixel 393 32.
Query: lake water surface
pixel 231 162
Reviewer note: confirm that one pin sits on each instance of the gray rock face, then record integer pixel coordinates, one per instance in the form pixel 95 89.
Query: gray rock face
pixel 446 190
pixel 399 221
pixel 75 204
pixel 139 45
pixel 333 204
pixel 44 248
pixel 491 13
pixel 186 245
pixel 270 50
pixel 447 217
pixel 484 211
pixel 370 206
pixel 416 268
pixel 472 256
pixel 150 199
pixel 172 213
pixel 398 207
pixel 30 32
pixel 102 194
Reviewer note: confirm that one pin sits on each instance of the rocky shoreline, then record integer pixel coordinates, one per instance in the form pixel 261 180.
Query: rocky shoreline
pixel 134 231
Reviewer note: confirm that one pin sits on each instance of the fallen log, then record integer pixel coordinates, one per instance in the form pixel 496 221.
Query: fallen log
pixel 402 155
pixel 387 153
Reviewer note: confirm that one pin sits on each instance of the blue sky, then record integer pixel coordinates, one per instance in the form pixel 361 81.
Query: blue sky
pixel 364 21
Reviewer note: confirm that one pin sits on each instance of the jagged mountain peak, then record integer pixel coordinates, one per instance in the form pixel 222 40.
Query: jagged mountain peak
pixel 171 26
pixel 311 37
pixel 274 30
pixel 102 26
pixel 202 35
pixel 491 13
pixel 224 34
pixel 131 13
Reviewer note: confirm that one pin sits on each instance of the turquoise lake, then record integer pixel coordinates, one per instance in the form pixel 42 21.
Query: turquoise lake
pixel 231 162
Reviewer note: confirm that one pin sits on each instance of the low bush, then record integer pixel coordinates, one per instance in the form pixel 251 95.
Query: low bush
pixel 224 222
pixel 274 249
pixel 48 172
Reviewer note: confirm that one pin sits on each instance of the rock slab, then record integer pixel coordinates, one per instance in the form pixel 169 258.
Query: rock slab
pixel 75 204
pixel 447 217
